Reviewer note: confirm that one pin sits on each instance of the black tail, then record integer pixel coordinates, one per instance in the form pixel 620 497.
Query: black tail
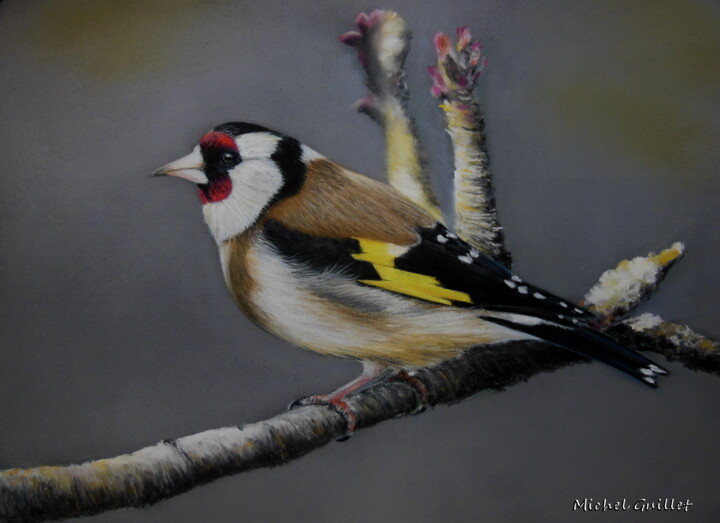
pixel 591 343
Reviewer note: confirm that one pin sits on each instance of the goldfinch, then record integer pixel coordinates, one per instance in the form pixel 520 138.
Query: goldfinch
pixel 338 263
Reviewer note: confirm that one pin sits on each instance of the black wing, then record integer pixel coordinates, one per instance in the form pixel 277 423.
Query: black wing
pixel 441 268
pixel 491 286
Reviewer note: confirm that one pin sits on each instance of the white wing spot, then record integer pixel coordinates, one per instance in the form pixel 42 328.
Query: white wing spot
pixel 465 259
pixel 538 296
pixel 563 304
pixel 649 380
pixel 441 238
pixel 647 372
pixel 474 253
pixel 452 235
pixel 578 310
pixel 657 369
pixel 510 284
pixel 523 290
pixel 517 278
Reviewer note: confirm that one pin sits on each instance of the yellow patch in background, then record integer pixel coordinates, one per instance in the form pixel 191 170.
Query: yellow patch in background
pixel 657 129
pixel 112 38
pixel 652 73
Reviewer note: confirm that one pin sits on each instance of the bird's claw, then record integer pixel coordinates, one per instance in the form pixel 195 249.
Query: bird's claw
pixel 418 386
pixel 336 404
pixel 301 402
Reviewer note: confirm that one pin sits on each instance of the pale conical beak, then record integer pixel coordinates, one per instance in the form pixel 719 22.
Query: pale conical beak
pixel 189 167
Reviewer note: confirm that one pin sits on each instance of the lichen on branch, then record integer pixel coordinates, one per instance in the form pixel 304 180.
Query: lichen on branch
pixel 677 342
pixel 623 288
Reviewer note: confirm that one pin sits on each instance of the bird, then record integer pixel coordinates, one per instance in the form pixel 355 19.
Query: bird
pixel 342 264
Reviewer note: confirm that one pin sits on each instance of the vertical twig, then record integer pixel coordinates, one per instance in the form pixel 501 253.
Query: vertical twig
pixel 382 42
pixel 454 79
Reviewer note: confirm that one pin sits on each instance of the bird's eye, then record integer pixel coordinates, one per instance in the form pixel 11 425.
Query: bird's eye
pixel 228 157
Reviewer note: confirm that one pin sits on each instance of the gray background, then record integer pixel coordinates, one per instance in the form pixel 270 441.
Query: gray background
pixel 115 325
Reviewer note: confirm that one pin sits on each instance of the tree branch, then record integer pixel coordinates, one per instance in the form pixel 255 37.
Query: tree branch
pixel 454 80
pixel 382 42
pixel 674 341
pixel 175 466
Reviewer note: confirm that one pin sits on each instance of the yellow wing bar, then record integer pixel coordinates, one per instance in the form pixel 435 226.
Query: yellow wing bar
pixel 382 255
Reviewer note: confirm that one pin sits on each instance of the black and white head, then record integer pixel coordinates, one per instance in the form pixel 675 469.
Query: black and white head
pixel 241 169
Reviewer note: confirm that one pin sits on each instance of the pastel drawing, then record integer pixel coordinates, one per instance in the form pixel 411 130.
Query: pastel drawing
pixel 338 263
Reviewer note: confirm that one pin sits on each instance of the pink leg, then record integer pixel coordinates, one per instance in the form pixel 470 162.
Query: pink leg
pixel 370 372
pixel 335 399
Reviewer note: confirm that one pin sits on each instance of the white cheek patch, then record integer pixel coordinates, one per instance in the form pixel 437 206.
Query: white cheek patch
pixel 254 184
pixel 253 146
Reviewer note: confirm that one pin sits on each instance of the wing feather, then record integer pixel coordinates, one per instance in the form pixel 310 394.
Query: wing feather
pixel 439 268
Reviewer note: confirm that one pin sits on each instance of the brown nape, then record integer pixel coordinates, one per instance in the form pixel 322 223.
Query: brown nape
pixel 337 203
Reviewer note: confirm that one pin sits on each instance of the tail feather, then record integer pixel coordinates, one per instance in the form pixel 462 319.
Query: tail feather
pixel 590 343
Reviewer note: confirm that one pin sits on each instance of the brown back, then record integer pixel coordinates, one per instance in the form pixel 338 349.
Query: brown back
pixel 337 203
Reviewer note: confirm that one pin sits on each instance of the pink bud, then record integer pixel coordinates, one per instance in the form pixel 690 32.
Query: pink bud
pixel 351 38
pixel 367 103
pixel 439 87
pixel 363 22
pixel 436 76
pixel 442 44
pixel 376 17
pixel 437 91
pixel 464 37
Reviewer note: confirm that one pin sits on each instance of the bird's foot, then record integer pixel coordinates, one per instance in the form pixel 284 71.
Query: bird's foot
pixel 337 404
pixel 417 385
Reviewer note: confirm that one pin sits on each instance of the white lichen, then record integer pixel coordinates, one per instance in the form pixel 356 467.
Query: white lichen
pixel 644 322
pixel 623 288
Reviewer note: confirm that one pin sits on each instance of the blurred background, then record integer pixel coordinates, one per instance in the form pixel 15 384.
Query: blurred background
pixel 116 328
